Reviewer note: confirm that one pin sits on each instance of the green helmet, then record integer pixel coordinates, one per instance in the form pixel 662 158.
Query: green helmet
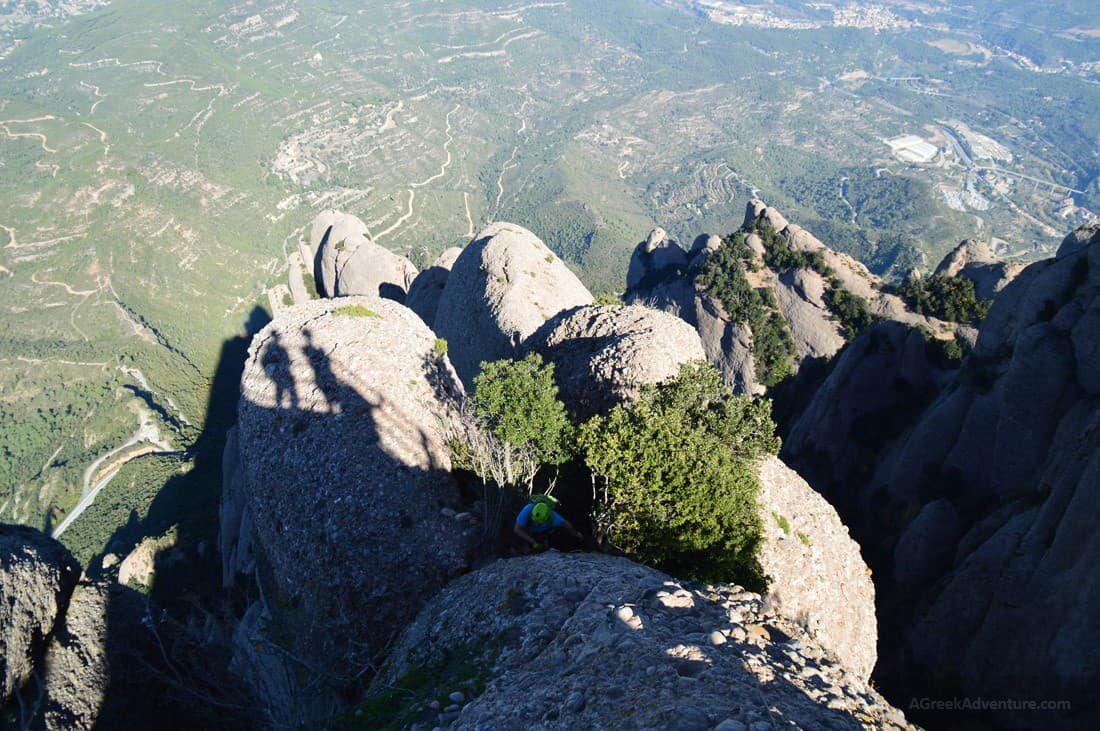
pixel 541 513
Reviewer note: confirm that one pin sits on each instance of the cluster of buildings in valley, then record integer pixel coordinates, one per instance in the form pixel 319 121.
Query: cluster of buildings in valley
pixel 850 15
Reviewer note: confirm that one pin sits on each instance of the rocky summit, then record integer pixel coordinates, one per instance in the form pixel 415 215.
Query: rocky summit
pixel 567 641
pixel 344 489
pixel 811 291
pixel 603 355
pixel 503 286
pixel 345 260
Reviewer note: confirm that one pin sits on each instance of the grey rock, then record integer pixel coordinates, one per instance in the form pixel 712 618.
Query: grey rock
pixel 1013 437
pixel 974 260
pixel 756 245
pixel 926 549
pixel 818 576
pixel 427 288
pixel 296 269
pixel 656 258
pixel 503 286
pixel 756 208
pixel 728 345
pixel 344 260
pixel 684 682
pixel 370 269
pixel 705 243
pixel 731 724
pixel 78 673
pixel 674 295
pixel 1086 348
pixel 234 538
pixel 884 373
pixel 753 209
pixel 603 355
pixel 329 234
pixel 342 415
pixel 1079 239
pixel 816 334
pixel 37 577
pixel 799 239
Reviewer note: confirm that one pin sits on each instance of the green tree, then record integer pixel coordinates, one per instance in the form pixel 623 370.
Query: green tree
pixel 852 310
pixel 948 298
pixel 518 402
pixel 512 426
pixel 723 275
pixel 675 476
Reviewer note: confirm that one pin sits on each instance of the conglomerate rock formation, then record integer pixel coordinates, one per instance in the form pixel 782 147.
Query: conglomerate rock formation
pixel 604 354
pixel 503 286
pixel 566 641
pixel 997 468
pixel 345 477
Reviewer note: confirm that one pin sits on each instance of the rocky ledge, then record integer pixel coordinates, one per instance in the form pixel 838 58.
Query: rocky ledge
pixel 597 642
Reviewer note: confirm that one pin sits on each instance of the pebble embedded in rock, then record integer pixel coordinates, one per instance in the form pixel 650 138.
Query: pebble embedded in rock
pixel 717 638
pixel 457 697
pixel 688 719
pixel 575 702
pixel 731 725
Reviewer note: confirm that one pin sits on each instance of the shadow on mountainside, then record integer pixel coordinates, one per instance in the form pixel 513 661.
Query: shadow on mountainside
pixel 354 520
pixel 171 647
pixel 121 659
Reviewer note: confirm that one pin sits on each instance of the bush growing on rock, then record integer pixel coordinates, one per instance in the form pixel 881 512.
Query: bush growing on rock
pixel 520 424
pixel 723 274
pixel 518 400
pixel 949 298
pixel 675 480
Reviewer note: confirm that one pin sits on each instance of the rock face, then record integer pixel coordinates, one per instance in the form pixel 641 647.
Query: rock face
pixel 990 585
pixel 371 269
pixel 876 387
pixel 77 669
pixel 342 415
pixel 603 355
pixel 818 577
pixel 974 260
pixel 346 261
pixel 728 344
pixel 37 577
pixel 503 286
pixel 327 230
pixel 235 526
pixel 80 655
pixel 800 296
pixel 594 641
pixel 427 288
pixel 803 296
pixel 655 258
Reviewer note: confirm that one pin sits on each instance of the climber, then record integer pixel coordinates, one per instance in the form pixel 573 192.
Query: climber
pixel 536 521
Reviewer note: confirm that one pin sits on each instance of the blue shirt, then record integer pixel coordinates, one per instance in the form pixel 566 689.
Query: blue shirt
pixel 523 520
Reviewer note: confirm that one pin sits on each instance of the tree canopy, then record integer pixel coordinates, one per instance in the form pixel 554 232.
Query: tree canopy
pixel 675 476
